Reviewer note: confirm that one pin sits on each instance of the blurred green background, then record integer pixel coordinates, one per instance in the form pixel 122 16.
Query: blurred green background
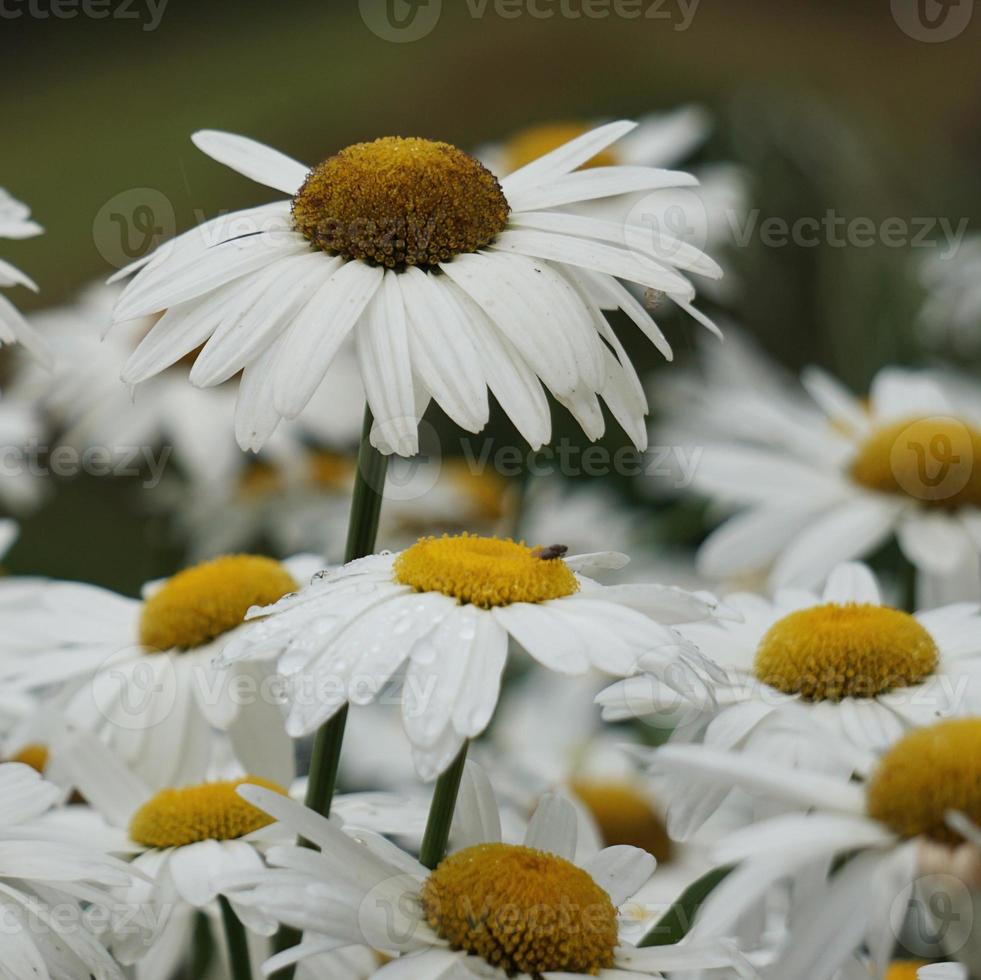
pixel 826 106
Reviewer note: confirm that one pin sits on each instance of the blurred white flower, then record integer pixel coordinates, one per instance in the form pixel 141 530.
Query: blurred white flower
pixel 914 821
pixel 140 672
pixel 950 318
pixel 15 223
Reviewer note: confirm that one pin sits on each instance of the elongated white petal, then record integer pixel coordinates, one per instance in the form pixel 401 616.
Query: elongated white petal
pixel 253 160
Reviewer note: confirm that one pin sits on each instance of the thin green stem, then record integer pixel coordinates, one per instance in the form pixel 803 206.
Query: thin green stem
pixel 238 946
pixel 362 530
pixel 677 921
pixel 441 809
pixel 907 578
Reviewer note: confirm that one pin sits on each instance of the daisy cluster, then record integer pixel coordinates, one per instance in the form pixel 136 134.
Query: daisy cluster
pixel 400 716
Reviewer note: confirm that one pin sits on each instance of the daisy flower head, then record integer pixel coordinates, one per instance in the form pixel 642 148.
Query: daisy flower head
pixel 905 465
pixel 48 882
pixel 140 671
pixel 911 826
pixel 440 614
pixel 449 281
pixel 489 909
pixel 804 667
pixel 16 224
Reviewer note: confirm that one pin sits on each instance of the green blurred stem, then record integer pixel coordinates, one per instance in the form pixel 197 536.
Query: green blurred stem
pixel 238 946
pixel 441 809
pixel 907 580
pixel 676 923
pixel 362 529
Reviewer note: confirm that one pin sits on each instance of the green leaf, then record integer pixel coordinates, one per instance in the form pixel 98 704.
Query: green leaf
pixel 675 924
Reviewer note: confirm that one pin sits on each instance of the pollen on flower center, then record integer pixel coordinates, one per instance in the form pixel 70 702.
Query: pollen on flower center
pixel 936 461
pixel 925 775
pixel 34 755
pixel 832 651
pixel 400 202
pixel 624 816
pixel 483 571
pixel 529 144
pixel 522 910
pixel 202 602
pixel 211 811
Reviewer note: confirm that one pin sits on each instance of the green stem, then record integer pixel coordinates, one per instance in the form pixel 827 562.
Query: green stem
pixel 907 577
pixel 676 923
pixel 441 809
pixel 362 529
pixel 238 947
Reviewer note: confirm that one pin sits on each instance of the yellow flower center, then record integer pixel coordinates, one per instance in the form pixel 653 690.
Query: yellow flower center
pixel 211 811
pixel 202 602
pixel 624 816
pixel 830 652
pixel 936 461
pixel 483 571
pixel 399 202
pixel 33 755
pixel 527 145
pixel 904 969
pixel 522 910
pixel 925 775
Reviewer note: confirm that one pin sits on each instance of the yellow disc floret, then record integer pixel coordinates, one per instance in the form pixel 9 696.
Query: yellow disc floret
pixel 484 571
pixel 211 811
pixel 33 755
pixel 624 816
pixel 925 775
pixel 936 461
pixel 400 202
pixel 522 910
pixel 904 969
pixel 851 650
pixel 529 144
pixel 202 602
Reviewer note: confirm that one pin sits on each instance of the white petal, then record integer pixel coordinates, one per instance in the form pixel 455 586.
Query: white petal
pixel 253 160
pixel 852 582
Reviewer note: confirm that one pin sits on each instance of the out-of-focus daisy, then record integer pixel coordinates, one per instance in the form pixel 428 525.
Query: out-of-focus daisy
pixel 863 671
pixel 276 290
pixel 914 820
pixel 702 214
pixel 906 464
pixel 141 673
pixel 21 433
pixel 442 612
pixel 950 317
pixel 16 224
pixel 490 909
pixel 185 839
pixel 47 882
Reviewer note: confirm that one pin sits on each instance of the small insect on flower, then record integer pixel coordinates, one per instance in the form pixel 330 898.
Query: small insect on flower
pixel 551 552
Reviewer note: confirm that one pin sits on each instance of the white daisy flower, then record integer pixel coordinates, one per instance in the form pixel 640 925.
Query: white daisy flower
pixel 441 614
pixel 903 466
pixel 450 283
pixel 914 821
pixel 185 839
pixel 540 913
pixel 16 224
pixel 140 671
pixel 47 883
pixel 849 665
